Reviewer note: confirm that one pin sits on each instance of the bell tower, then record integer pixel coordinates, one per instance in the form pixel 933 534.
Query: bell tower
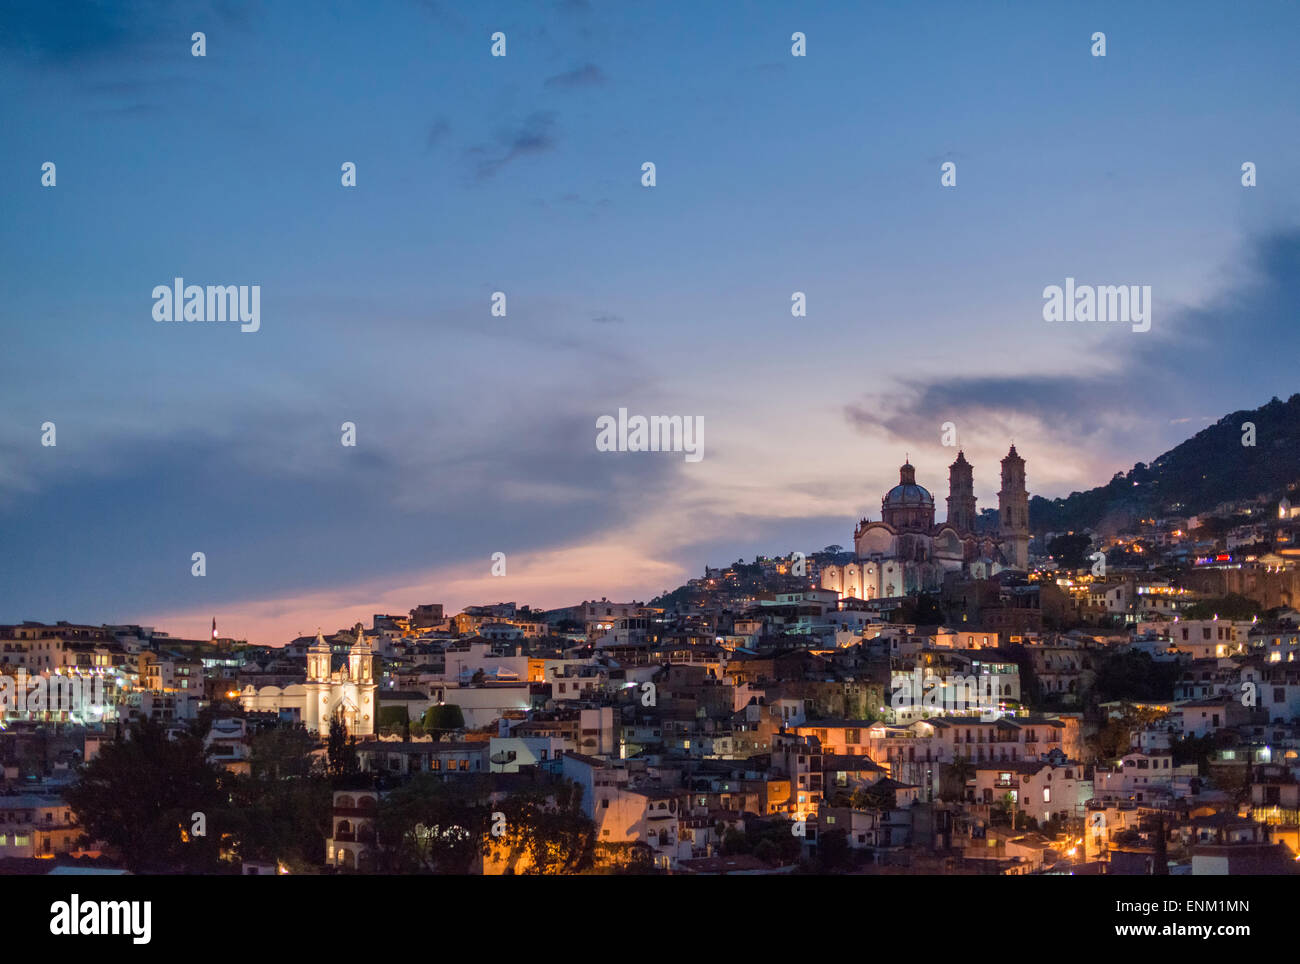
pixel 318 660
pixel 1013 511
pixel 359 663
pixel 961 494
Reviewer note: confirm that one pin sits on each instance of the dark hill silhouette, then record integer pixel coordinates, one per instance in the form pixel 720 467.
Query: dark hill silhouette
pixel 1208 469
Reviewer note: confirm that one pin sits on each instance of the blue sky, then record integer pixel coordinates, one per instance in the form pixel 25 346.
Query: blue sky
pixel 522 174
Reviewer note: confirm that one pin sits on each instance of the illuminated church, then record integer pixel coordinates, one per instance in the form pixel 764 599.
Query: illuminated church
pixel 342 687
pixel 907 552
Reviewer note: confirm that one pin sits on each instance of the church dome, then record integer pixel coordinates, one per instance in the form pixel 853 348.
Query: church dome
pixel 909 495
pixel 907 492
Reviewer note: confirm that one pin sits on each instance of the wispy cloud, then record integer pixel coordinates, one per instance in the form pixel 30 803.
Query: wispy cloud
pixel 74 33
pixel 534 135
pixel 438 132
pixel 588 75
pixel 1179 364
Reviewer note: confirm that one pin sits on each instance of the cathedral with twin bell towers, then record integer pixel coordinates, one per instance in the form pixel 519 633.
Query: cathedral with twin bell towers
pixel 907 552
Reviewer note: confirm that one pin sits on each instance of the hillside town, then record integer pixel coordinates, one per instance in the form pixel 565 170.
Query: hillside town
pixel 984 701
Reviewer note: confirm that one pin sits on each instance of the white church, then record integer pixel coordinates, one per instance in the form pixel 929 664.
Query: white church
pixel 342 686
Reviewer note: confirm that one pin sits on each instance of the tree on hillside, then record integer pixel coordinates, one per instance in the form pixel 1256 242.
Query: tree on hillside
pixel 1133 676
pixel 140 793
pixel 443 717
pixel 342 750
pixel 953 781
pixel 1199 749
pixel 1200 473
pixel 1070 551
pixel 282 752
pixel 1160 860
pixel 1115 736
pixel 1232 606
pixel 554 834
pixel 431 826
pixel 873 798
pixel 281 820
pixel 734 842
pixel 833 850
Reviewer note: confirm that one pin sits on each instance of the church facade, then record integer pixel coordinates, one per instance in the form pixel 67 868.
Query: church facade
pixel 344 687
pixel 908 552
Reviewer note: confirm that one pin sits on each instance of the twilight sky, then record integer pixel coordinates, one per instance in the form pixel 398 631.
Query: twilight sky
pixel 523 174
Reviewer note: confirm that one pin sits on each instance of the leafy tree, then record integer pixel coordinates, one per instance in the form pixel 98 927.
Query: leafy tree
pixel 281 811
pixel 1115 736
pixel 1114 739
pixel 773 842
pixel 428 825
pixel 203 720
pixel 556 836
pixel 342 749
pixel 635 858
pixel 734 842
pixel 282 820
pixel 1213 528
pixel 1071 551
pixel 958 772
pixel 139 794
pixel 1199 749
pixel 833 850
pixel 1009 804
pixel 1129 837
pixel 1232 606
pixel 281 752
pixel 443 717
pixel 1133 676
pixel 1160 863
pixel 873 797
pixel 1054 826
